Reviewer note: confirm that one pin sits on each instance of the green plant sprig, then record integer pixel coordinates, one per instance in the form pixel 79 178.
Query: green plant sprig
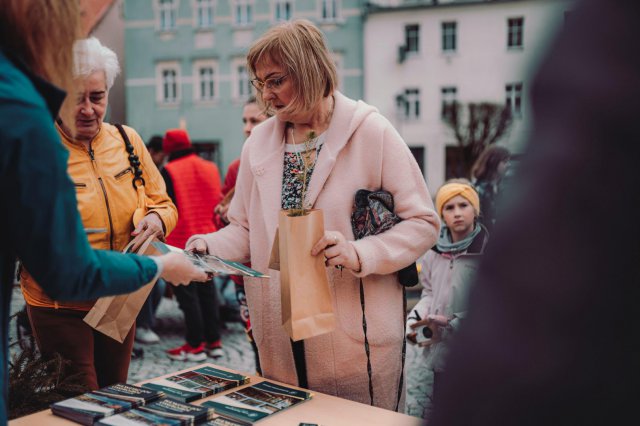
pixel 302 211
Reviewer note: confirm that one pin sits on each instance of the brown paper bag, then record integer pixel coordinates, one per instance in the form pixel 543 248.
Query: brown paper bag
pixel 307 308
pixel 115 315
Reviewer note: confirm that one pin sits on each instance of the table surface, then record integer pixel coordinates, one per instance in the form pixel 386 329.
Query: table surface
pixel 321 409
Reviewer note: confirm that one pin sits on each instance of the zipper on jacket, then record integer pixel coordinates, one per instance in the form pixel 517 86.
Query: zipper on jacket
pixel 106 199
pixel 122 173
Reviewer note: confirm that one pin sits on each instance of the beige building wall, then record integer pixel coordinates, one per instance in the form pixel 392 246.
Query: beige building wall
pixel 479 68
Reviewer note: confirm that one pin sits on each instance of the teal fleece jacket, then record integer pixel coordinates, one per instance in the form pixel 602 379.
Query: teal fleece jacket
pixel 39 218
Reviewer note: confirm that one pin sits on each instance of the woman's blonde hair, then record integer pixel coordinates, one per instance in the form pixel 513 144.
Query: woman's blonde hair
pixel 301 48
pixel 41 34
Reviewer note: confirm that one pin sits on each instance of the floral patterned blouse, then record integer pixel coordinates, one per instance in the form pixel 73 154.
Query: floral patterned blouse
pixel 293 172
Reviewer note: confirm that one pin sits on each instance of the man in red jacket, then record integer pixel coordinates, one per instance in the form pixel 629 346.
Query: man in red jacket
pixel 194 186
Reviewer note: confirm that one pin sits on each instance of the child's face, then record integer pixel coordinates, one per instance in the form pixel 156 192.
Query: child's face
pixel 458 214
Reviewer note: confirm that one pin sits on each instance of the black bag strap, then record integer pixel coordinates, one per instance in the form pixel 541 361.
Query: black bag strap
pixel 134 161
pixel 368 352
pixel 404 344
pixel 366 342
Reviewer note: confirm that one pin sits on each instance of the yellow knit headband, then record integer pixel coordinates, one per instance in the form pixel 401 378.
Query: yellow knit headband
pixel 450 190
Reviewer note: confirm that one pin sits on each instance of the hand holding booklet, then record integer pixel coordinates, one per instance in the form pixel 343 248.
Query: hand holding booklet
pixel 212 264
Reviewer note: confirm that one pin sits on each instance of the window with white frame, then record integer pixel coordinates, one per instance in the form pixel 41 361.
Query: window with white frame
pixel 168 83
pixel 449 36
pixel 243 82
pixel 449 97
pixel 329 10
pixel 514 98
pixel 243 12
pixel 205 81
pixel 411 104
pixel 412 38
pixel 204 13
pixel 515 29
pixel 167 14
pixel 282 10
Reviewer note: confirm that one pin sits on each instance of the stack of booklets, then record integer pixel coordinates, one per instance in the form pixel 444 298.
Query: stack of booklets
pixel 211 263
pixel 95 405
pixel 169 412
pixel 253 403
pixel 166 411
pixel 197 384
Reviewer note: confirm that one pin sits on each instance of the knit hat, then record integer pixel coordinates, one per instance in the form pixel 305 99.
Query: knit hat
pixel 450 190
pixel 175 140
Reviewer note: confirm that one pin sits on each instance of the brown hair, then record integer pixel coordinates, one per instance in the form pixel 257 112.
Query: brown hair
pixel 41 33
pixel 486 166
pixel 301 48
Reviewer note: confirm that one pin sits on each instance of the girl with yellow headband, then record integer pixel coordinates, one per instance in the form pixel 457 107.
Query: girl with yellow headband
pixel 445 274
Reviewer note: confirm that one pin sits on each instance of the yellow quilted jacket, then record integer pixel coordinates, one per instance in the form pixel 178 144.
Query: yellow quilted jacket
pixel 106 198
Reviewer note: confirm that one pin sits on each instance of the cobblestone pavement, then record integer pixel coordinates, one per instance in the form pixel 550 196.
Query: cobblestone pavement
pixel 238 354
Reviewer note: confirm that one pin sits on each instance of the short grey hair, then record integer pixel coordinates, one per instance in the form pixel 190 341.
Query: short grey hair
pixel 89 56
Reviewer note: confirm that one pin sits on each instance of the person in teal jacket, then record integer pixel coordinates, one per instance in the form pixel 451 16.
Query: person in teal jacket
pixel 40 222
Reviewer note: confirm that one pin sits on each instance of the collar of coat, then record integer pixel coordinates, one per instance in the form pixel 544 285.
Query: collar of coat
pixel 267 146
pixel 53 95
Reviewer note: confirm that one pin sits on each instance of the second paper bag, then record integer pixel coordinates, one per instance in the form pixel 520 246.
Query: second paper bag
pixel 307 307
pixel 114 315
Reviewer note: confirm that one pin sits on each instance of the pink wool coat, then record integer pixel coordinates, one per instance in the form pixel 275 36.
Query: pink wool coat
pixel 361 150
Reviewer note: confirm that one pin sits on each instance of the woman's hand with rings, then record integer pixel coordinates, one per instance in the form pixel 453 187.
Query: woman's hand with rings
pixel 338 251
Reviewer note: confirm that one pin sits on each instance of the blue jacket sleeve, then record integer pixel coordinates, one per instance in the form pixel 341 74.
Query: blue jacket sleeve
pixel 44 225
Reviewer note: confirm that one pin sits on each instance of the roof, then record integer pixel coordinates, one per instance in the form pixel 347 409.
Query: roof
pixel 92 12
pixel 429 4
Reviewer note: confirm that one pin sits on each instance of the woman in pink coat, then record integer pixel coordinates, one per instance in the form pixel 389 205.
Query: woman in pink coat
pixel 345 146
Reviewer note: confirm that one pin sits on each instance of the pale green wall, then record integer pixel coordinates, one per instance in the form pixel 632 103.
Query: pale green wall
pixel 145 47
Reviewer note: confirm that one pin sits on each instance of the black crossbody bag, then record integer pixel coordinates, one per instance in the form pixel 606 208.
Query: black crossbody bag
pixel 373 214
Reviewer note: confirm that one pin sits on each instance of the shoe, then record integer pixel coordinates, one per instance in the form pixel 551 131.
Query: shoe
pixel 146 335
pixel 187 352
pixel 137 353
pixel 214 350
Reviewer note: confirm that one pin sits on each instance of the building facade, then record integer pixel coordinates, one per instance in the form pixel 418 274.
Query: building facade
pixel 185 62
pixel 422 56
pixel 107 26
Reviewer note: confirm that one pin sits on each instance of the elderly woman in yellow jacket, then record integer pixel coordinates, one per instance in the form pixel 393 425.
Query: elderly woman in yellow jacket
pixel 107 175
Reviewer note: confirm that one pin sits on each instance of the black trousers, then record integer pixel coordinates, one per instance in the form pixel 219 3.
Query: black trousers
pixel 199 303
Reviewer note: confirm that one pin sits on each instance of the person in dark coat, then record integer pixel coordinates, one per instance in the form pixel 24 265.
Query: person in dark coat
pixel 550 338
pixel 486 174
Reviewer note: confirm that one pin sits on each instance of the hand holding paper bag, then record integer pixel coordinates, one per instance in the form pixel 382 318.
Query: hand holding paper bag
pixel 114 315
pixel 307 307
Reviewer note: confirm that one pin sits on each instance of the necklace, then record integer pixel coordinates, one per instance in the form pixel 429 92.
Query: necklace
pixel 304 158
pixel 305 163
pixel 311 141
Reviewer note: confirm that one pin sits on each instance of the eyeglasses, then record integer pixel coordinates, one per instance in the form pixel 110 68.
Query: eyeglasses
pixel 270 83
